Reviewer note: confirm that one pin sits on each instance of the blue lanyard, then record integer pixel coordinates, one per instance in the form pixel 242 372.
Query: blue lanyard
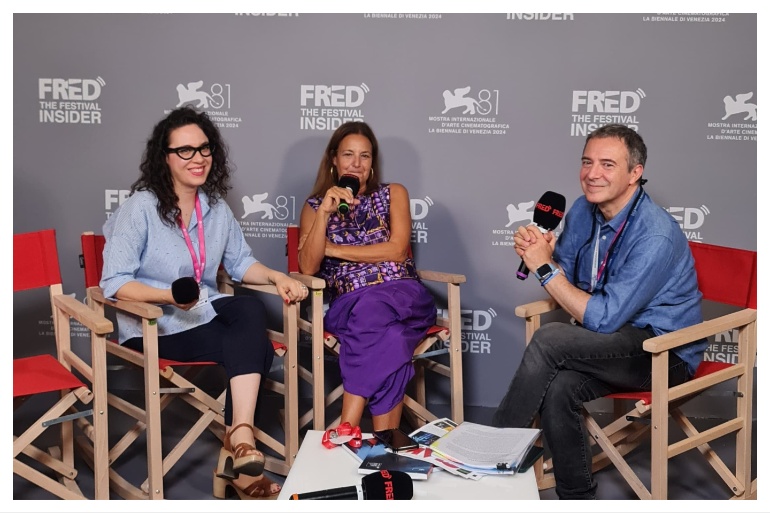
pixel 612 251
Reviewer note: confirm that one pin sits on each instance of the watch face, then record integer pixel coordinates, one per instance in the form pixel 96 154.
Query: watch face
pixel 543 270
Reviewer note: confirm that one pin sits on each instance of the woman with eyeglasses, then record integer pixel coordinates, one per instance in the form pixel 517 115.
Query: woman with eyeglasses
pixel 358 241
pixel 176 225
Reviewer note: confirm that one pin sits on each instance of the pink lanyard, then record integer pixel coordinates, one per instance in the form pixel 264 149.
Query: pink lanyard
pixel 198 267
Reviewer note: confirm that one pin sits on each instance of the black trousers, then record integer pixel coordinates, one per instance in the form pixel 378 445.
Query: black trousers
pixel 236 339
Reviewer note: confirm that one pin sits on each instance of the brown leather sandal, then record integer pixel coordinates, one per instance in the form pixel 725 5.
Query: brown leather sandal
pixel 224 484
pixel 258 490
pixel 246 458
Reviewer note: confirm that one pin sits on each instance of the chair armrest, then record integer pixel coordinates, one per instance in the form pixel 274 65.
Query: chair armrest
pixel 84 315
pixel 537 308
pixel 144 310
pixel 692 333
pixel 311 282
pixel 224 279
pixel 441 277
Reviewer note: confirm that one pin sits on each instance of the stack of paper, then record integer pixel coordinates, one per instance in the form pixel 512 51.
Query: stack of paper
pixel 487 447
pixel 472 450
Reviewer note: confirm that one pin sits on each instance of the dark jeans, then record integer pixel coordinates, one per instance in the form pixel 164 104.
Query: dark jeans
pixel 565 366
pixel 236 339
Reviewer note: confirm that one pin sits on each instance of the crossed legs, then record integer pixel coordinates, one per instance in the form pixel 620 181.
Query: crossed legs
pixel 563 367
pixel 237 339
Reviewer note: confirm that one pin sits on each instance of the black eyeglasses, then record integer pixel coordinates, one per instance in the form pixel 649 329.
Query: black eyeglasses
pixel 188 152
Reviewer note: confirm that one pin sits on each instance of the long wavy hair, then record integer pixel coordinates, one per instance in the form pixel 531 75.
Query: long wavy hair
pixel 328 175
pixel 156 176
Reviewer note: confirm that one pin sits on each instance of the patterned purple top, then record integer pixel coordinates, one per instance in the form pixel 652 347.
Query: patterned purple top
pixel 367 223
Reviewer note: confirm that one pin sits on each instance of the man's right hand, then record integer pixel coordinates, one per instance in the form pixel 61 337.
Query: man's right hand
pixel 529 240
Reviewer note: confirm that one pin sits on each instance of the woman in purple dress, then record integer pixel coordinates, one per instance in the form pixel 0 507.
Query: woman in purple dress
pixel 379 310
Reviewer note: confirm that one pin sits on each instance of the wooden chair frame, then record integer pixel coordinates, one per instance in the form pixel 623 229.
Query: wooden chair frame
pixel 285 346
pixel 60 459
pixel 627 432
pixel 148 420
pixel 438 341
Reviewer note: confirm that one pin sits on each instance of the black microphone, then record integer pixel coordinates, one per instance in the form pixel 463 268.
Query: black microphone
pixel 351 183
pixel 549 212
pixel 185 290
pixel 383 485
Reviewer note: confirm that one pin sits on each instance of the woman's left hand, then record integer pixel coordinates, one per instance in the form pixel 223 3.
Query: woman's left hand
pixel 290 289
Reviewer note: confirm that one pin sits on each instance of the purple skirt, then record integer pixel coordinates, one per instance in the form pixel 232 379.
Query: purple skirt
pixel 379 328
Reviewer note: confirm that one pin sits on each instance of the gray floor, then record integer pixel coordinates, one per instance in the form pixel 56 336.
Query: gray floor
pixel 191 478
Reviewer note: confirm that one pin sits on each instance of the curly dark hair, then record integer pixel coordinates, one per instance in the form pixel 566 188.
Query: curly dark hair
pixel 156 175
pixel 327 175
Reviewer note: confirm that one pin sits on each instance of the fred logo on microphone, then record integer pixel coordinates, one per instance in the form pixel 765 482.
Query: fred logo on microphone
pixel 548 210
pixel 70 100
pixel 389 495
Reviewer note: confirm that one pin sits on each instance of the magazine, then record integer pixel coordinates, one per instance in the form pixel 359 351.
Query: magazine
pixel 374 457
pixel 428 434
pixel 479 448
pixel 486 447
pixel 441 463
pixel 432 431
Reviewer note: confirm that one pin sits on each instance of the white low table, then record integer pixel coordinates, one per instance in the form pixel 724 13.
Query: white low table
pixel 340 469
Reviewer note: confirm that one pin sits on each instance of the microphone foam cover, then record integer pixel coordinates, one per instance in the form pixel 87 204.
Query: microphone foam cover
pixel 549 210
pixel 387 485
pixel 185 290
pixel 351 182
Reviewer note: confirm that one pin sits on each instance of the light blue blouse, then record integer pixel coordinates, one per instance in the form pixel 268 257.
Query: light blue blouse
pixel 139 246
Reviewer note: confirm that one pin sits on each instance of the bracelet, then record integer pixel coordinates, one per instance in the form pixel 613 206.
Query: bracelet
pixel 550 277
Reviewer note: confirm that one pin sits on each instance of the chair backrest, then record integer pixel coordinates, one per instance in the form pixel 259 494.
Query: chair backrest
pixel 35 260
pixel 92 259
pixel 292 248
pixel 726 275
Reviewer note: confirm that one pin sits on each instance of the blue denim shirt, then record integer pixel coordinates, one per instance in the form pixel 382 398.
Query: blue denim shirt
pixel 650 282
pixel 139 246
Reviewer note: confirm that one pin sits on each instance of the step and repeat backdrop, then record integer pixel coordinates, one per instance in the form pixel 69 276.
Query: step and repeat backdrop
pixel 476 114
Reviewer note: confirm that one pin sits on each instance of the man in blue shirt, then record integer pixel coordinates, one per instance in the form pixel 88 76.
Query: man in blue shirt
pixel 623 270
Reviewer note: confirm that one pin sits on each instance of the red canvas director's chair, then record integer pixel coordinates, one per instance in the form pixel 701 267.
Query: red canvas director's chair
pixel 727 276
pixel 179 375
pixel 36 265
pixel 443 338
